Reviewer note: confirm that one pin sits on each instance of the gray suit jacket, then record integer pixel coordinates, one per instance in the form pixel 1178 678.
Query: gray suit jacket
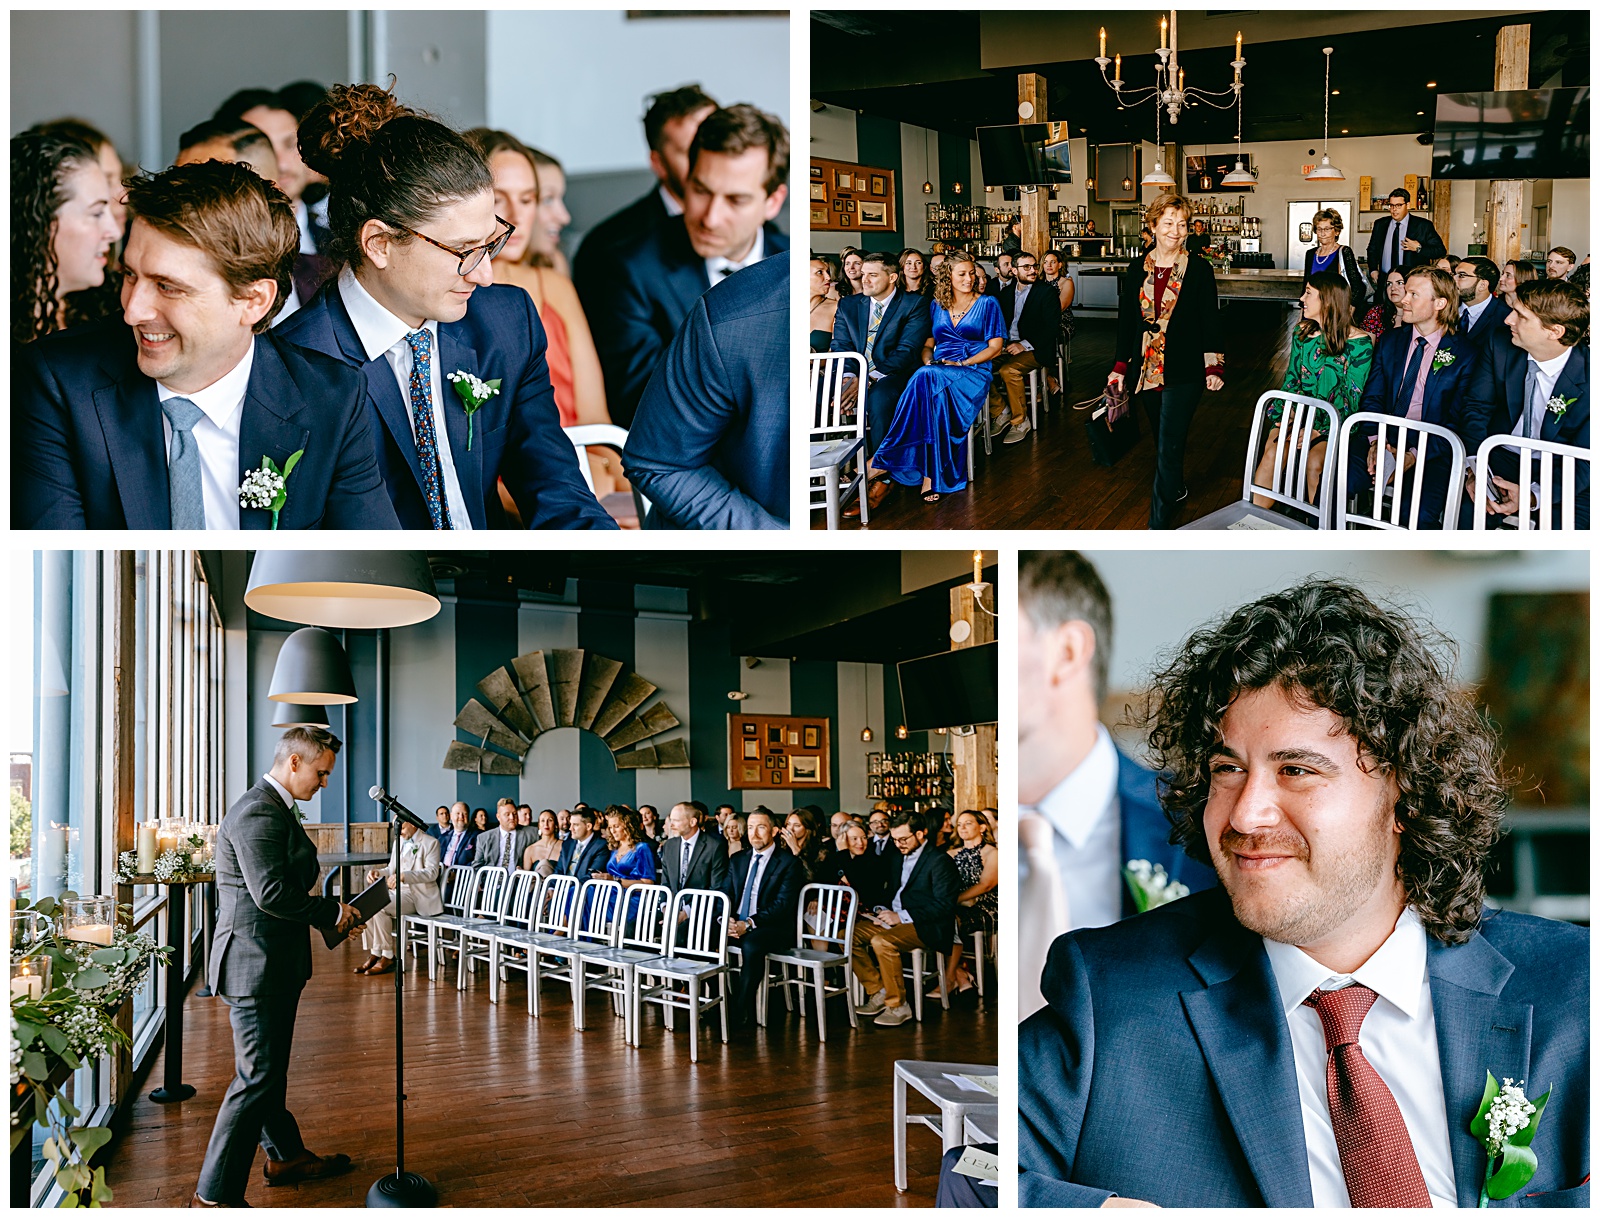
pixel 486 849
pixel 708 865
pixel 266 869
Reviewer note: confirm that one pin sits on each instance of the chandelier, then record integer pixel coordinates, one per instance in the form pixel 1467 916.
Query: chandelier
pixel 1170 89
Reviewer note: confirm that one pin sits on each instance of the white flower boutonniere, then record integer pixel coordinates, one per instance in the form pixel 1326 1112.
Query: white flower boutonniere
pixel 1557 405
pixel 268 487
pixel 1443 359
pixel 1505 1124
pixel 473 394
pixel 1150 885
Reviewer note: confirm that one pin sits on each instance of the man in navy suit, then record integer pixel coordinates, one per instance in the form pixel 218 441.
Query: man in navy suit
pixel 1532 379
pixel 585 850
pixel 455 843
pixel 710 445
pixel 1401 240
pixel 1033 319
pixel 1321 753
pixel 893 347
pixel 641 291
pixel 154 420
pixel 1483 312
pixel 1420 371
pixel 1087 810
pixel 765 879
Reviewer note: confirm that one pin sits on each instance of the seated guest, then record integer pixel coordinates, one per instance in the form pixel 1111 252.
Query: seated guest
pixel 650 821
pixel 824 304
pixel 850 264
pixel 279 117
pixel 693 858
pixel 804 839
pixel 889 327
pixel 1419 372
pixel 416 311
pixel 1383 314
pixel 480 821
pixel 62 230
pixel 836 827
pixel 765 885
pixel 1532 380
pixel 733 832
pixel 169 425
pixel 642 291
pixel 925 443
pixel 1401 240
pixel 442 815
pixel 922 913
pixel 878 825
pixel 1513 274
pixel 1053 274
pixel 106 156
pixel 563 823
pixel 1558 264
pixel 505 846
pixel 455 845
pixel 543 854
pixel 585 851
pixel 860 867
pixel 1329 359
pixel 632 860
pixel 710 445
pixel 1032 316
pixel 914 277
pixel 416 890
pixel 524 815
pixel 977 861
pixel 1329 254
pixel 1002 278
pixel 1483 311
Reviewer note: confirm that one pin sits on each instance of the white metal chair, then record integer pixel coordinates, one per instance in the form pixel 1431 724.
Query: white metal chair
pixel 552 911
pixel 444 928
pixel 1558 466
pixel 593 925
pixel 1389 491
pixel 1300 419
pixel 838 445
pixel 475 939
pixel 693 963
pixel 915 967
pixel 981 943
pixel 1037 390
pixel 831 933
pixel 488 903
pixel 455 891
pixel 641 934
pixel 603 435
pixel 516 915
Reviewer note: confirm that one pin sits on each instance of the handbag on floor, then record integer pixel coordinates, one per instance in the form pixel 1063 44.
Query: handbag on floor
pixel 1112 426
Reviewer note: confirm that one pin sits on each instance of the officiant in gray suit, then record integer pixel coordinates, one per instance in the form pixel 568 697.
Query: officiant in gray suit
pixel 261 960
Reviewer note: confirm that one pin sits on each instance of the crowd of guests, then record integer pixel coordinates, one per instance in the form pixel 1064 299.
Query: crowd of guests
pixel 335 311
pixel 921 880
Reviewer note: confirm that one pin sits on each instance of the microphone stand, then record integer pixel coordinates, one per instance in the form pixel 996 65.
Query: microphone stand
pixel 403 1189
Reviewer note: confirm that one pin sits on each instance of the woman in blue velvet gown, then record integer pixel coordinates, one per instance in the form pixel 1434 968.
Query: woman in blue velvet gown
pixel 632 861
pixel 926 442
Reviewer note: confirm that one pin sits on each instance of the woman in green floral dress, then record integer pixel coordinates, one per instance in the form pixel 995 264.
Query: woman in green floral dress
pixel 1329 359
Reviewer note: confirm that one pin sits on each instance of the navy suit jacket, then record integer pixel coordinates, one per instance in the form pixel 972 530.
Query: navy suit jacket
pixel 1443 393
pixel 779 893
pixel 1041 318
pixel 464 853
pixel 1163 1070
pixel 710 445
pixel 592 856
pixel 637 294
pixel 516 435
pixel 1490 322
pixel 1417 229
pixel 634 220
pixel 1146 832
pixel 930 895
pixel 904 330
pixel 89 450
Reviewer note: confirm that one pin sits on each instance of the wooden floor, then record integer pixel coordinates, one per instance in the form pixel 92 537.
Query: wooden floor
pixel 1049 481
pixel 505 1110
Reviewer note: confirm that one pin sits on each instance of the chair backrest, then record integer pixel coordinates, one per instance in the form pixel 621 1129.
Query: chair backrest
pixel 522 899
pixel 643 924
pixel 1560 460
pixel 1301 417
pixel 602 435
pixel 834 920
pixel 554 910
pixel 598 903
pixel 491 894
pixel 827 390
pixel 1399 434
pixel 455 890
pixel 705 925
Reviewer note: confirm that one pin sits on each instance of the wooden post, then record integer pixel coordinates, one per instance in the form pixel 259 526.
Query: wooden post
pixel 1441 209
pixel 1505 198
pixel 976 779
pixel 1033 89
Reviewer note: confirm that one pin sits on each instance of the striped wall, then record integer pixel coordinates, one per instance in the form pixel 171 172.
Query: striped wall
pixel 434 668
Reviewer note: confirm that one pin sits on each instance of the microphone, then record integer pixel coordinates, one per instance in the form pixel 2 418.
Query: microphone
pixel 397 810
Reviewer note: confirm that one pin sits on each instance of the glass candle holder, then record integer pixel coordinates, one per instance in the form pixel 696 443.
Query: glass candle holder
pixel 170 834
pixel 27 929
pixel 30 979
pixel 87 919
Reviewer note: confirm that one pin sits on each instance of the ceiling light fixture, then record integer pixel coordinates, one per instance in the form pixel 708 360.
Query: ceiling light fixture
pixel 1170 89
pixel 1327 171
pixel 343 590
pixel 1239 175
pixel 312 670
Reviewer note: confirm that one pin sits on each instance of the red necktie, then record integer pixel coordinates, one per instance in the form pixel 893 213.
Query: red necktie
pixel 1380 1165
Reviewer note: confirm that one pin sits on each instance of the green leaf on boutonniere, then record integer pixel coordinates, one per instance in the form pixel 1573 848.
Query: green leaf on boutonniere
pixel 473 394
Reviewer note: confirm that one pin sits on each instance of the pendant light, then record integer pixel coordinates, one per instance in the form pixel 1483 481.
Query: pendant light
pixel 866 708
pixel 900 733
pixel 366 590
pixel 1205 168
pixel 312 670
pixel 294 714
pixel 927 164
pixel 1327 171
pixel 1159 175
pixel 1239 175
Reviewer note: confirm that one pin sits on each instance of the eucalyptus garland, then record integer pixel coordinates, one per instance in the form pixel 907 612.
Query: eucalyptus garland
pixel 171 866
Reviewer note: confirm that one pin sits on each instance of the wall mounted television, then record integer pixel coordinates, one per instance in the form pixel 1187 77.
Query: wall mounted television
pixel 1519 133
pixel 1025 154
pixel 952 688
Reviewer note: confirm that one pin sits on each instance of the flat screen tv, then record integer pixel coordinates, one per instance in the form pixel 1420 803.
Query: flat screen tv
pixel 1520 133
pixel 1025 154
pixel 951 689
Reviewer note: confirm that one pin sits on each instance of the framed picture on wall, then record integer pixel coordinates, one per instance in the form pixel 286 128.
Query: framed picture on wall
pixel 775 734
pixel 749 729
pixel 752 750
pixel 873 215
pixel 816 173
pixel 880 185
pixel 819 192
pixel 804 769
pixel 752 773
pixel 777 778
pixel 813 737
pixel 819 217
pixel 794 735
pixel 843 179
pixel 861 183
pixel 838 205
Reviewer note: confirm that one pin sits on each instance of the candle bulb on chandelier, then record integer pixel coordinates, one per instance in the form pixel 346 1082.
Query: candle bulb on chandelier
pixel 1102 42
pixel 1180 80
pixel 1163 33
pixel 1238 45
pixel 1116 72
pixel 977 567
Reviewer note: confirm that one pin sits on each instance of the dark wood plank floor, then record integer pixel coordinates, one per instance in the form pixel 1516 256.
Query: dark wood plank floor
pixel 1049 481
pixel 506 1110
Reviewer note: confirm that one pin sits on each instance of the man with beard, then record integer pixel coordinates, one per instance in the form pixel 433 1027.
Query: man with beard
pixel 1316 1031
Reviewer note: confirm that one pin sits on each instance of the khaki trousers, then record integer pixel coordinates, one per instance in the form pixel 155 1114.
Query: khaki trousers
pixel 1012 372
pixel 875 956
pixel 377 936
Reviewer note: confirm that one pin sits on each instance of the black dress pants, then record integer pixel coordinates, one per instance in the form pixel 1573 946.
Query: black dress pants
pixel 1170 410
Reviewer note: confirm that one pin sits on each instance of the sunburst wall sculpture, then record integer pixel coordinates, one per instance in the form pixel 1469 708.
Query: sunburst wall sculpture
pixel 564 687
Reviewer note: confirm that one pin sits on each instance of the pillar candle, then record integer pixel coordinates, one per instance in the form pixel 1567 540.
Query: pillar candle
pixel 27 984
pixel 145 860
pixel 93 932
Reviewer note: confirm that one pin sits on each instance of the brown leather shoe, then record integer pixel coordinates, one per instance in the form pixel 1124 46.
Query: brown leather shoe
pixel 367 965
pixel 384 965
pixel 304 1166
pixel 197 1202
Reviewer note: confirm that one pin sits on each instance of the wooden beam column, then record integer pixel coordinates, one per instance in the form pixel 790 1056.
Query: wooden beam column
pixel 976 778
pixel 1505 198
pixel 1032 88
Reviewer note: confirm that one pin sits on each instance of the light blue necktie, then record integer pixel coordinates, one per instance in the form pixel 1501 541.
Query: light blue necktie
pixel 421 344
pixel 1530 399
pixel 746 901
pixel 184 493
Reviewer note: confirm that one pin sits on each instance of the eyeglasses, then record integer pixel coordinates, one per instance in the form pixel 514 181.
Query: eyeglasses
pixel 472 255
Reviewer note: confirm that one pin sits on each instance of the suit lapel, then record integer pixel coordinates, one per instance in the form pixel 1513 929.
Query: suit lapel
pixel 1238 1020
pixel 383 391
pixel 1516 387
pixel 1478 1032
pixel 270 427
pixel 130 418
pixel 1572 383
pixel 457 355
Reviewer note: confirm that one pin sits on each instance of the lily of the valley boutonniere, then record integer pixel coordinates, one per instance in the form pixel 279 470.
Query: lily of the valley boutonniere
pixel 1150 885
pixel 1557 405
pixel 473 394
pixel 268 487
pixel 1505 1125
pixel 1443 359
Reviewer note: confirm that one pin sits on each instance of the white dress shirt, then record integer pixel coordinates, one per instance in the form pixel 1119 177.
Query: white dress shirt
pixel 291 305
pixel 908 864
pixel 1545 375
pixel 1397 1038
pixel 714 266
pixel 382 333
pixel 1086 815
pixel 881 307
pixel 759 861
pixel 1016 315
pixel 283 791
pixel 302 217
pixel 674 208
pixel 1476 311
pixel 216 436
pixel 688 852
